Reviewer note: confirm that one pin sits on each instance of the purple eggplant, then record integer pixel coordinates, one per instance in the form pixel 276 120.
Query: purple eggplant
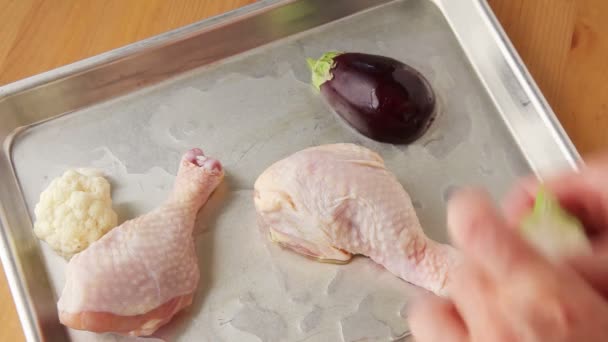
pixel 382 98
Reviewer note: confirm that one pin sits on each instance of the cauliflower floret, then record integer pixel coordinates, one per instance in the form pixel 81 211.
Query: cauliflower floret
pixel 74 211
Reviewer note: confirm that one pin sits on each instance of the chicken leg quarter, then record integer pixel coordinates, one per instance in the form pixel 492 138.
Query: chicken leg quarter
pixel 138 276
pixel 332 201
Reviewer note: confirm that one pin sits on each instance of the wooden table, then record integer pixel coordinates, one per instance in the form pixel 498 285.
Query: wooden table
pixel 563 42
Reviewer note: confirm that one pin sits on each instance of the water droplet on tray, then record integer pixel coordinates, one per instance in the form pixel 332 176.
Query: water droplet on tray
pixel 265 324
pixel 403 311
pixel 333 284
pixel 486 169
pixel 362 325
pixel 301 297
pixel 312 320
pixel 449 191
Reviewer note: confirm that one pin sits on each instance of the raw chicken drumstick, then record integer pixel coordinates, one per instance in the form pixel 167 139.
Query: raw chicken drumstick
pixel 332 201
pixel 138 276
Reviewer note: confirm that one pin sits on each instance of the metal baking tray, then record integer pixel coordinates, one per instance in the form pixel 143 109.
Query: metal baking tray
pixel 238 87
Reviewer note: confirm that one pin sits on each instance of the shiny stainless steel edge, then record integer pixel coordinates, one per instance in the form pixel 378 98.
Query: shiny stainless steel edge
pixel 531 120
pixel 138 65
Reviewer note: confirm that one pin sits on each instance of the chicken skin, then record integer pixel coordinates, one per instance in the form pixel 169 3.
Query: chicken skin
pixel 139 275
pixel 333 201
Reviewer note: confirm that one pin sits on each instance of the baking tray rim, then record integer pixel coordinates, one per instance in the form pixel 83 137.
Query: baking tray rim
pixel 12 267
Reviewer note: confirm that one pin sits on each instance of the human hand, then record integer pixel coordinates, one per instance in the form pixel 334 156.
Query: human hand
pixel 504 289
pixel 585 195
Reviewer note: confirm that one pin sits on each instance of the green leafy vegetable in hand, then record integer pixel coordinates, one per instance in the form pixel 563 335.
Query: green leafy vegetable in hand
pixel 552 230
